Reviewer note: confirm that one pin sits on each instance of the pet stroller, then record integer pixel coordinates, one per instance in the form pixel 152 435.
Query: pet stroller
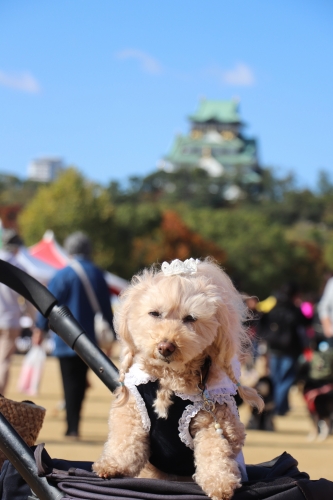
pixel 31 474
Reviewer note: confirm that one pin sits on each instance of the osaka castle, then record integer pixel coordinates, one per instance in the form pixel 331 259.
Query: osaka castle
pixel 216 143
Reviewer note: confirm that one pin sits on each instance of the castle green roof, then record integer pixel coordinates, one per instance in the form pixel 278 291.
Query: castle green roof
pixel 220 111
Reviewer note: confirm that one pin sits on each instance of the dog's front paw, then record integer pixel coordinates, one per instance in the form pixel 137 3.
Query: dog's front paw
pixel 104 468
pixel 222 491
pixel 221 486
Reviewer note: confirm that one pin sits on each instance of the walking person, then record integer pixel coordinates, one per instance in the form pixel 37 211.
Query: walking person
pixel 10 309
pixel 325 311
pixel 282 329
pixel 67 287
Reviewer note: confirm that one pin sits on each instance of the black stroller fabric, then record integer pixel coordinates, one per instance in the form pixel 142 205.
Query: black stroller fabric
pixel 278 479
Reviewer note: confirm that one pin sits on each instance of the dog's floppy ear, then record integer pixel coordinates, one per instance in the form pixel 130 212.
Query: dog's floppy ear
pixel 226 343
pixel 230 312
pixel 128 349
pixel 232 338
pixel 138 285
pixel 232 341
pixel 126 341
pixel 121 319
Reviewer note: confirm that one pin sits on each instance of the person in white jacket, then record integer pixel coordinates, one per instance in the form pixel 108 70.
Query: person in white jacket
pixel 10 309
pixel 325 311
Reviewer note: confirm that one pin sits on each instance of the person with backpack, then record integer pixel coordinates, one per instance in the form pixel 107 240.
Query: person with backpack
pixel 282 328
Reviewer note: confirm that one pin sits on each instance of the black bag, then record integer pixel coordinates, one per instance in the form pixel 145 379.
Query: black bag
pixel 278 479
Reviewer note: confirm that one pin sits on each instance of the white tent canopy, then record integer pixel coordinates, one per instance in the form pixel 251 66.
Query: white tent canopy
pixel 35 267
pixel 43 259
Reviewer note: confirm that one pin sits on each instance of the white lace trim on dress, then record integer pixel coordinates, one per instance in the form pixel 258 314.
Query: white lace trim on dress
pixel 192 410
pixel 135 376
pixel 184 423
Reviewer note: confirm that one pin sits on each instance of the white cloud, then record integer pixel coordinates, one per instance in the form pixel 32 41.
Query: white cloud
pixel 241 75
pixel 24 82
pixel 148 63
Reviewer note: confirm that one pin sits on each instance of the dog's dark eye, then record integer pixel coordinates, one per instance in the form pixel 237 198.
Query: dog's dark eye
pixel 156 314
pixel 189 319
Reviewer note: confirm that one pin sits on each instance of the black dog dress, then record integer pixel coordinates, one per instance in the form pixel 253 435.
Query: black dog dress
pixel 171 444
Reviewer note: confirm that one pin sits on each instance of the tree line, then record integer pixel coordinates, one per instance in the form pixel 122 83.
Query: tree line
pixel 272 233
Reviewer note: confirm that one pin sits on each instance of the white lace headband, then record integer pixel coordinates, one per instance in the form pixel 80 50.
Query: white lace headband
pixel 177 266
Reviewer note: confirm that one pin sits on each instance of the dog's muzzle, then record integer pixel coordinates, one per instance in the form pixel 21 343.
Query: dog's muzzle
pixel 166 348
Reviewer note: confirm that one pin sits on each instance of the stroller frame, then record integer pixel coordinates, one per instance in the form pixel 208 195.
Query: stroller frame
pixel 65 325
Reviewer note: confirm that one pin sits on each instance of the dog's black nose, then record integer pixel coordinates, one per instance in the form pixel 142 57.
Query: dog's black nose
pixel 166 348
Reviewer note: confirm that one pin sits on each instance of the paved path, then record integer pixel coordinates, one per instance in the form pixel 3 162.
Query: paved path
pixel 291 431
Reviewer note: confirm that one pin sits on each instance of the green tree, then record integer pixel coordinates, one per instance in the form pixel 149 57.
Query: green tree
pixel 69 204
pixel 133 221
pixel 72 203
pixel 15 190
pixel 324 183
pixel 259 256
pixel 173 240
pixel 269 235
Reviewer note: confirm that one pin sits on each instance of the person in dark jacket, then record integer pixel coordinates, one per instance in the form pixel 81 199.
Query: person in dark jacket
pixel 67 287
pixel 282 329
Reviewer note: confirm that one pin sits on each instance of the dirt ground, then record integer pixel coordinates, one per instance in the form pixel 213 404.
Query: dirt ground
pixel 315 458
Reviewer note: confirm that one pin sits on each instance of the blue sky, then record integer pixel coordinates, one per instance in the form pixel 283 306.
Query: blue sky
pixel 106 85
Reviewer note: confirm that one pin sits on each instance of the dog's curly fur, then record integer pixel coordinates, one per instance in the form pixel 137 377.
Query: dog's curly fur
pixel 219 312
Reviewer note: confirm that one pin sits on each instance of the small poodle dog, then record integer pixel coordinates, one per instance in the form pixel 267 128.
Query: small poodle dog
pixel 182 334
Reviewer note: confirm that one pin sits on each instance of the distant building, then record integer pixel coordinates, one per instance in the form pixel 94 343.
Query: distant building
pixel 216 144
pixel 45 169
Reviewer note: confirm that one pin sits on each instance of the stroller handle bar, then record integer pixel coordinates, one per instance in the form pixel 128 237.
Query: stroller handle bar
pixel 61 321
pixel 27 286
